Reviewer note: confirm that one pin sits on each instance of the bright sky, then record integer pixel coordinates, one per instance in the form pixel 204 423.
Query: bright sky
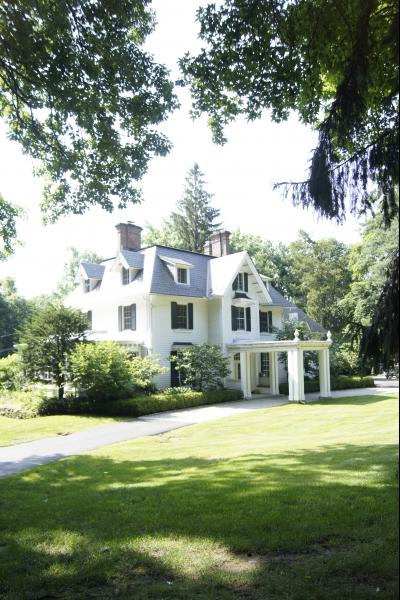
pixel 239 175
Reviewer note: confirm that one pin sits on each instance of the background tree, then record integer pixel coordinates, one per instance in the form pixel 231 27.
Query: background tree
pixel 14 310
pixel 81 95
pixel 8 232
pixel 321 278
pixel 68 280
pixel 337 65
pixel 47 341
pixel 369 262
pixel 193 222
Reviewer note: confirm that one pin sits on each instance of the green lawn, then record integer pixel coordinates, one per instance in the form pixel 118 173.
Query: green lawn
pixel 17 431
pixel 296 502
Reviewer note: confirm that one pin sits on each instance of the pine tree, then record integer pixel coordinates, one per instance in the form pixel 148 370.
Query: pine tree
pixel 195 220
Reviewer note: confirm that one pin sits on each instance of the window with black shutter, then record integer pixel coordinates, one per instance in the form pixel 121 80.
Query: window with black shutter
pixel 181 316
pixel 238 318
pixel 248 318
pixel 127 317
pixel 266 321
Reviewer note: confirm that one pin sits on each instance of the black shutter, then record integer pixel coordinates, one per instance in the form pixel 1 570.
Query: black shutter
pixel 269 321
pixel 261 321
pixel 174 371
pixel 235 284
pixel 246 282
pixel 119 318
pixel 173 315
pixel 133 316
pixel 234 318
pixel 190 315
pixel 248 318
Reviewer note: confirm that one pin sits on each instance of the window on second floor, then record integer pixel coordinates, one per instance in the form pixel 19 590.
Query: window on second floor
pixel 266 321
pixel 127 317
pixel 86 286
pixel 241 282
pixel 241 318
pixel 182 275
pixel 181 316
pixel 125 276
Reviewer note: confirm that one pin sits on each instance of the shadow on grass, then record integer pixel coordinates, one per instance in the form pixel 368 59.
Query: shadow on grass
pixel 359 400
pixel 290 525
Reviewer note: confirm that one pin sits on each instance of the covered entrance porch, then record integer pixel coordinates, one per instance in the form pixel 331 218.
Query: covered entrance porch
pixel 248 359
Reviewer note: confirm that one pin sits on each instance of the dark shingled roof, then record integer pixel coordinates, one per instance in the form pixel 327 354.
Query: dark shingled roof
pixel 134 259
pixel 277 298
pixel 163 282
pixel 93 271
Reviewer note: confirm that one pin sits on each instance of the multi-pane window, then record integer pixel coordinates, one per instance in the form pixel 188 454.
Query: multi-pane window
pixel 127 317
pixel 266 321
pixel 265 367
pixel 125 276
pixel 89 318
pixel 182 275
pixel 241 282
pixel 241 318
pixel 86 286
pixel 181 316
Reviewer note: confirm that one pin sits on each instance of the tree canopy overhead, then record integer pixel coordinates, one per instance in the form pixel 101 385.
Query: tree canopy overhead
pixel 334 62
pixel 80 94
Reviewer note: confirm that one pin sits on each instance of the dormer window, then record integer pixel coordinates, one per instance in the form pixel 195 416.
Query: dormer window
pixel 182 275
pixel 179 269
pixel 125 276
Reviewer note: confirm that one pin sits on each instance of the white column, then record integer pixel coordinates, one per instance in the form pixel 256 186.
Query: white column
pixel 245 374
pixel 296 375
pixel 324 374
pixel 274 373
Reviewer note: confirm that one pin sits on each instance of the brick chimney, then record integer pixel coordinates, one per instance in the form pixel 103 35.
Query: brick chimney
pixel 129 236
pixel 218 244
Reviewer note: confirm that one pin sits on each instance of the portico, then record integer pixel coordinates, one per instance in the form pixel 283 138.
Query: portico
pixel 295 350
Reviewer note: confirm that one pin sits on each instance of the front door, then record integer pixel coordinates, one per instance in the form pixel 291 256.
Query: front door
pixel 236 366
pixel 264 369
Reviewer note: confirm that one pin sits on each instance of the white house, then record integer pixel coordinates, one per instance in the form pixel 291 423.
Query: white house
pixel 158 300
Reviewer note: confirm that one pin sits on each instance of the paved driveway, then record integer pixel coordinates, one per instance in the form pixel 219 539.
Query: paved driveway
pixel 23 456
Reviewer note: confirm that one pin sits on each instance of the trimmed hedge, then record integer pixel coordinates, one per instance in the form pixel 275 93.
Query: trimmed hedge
pixel 341 382
pixel 171 399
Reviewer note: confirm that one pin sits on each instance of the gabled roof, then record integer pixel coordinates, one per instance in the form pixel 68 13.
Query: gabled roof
pixel 92 271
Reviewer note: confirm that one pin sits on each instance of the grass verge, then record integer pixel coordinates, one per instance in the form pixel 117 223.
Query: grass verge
pixel 18 431
pixel 296 502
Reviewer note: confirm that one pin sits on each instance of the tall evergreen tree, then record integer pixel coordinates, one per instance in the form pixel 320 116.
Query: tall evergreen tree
pixel 194 220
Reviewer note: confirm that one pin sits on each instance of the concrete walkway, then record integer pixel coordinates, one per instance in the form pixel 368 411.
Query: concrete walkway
pixel 31 454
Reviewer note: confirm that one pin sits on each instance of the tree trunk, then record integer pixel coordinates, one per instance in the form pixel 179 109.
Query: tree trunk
pixel 61 393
